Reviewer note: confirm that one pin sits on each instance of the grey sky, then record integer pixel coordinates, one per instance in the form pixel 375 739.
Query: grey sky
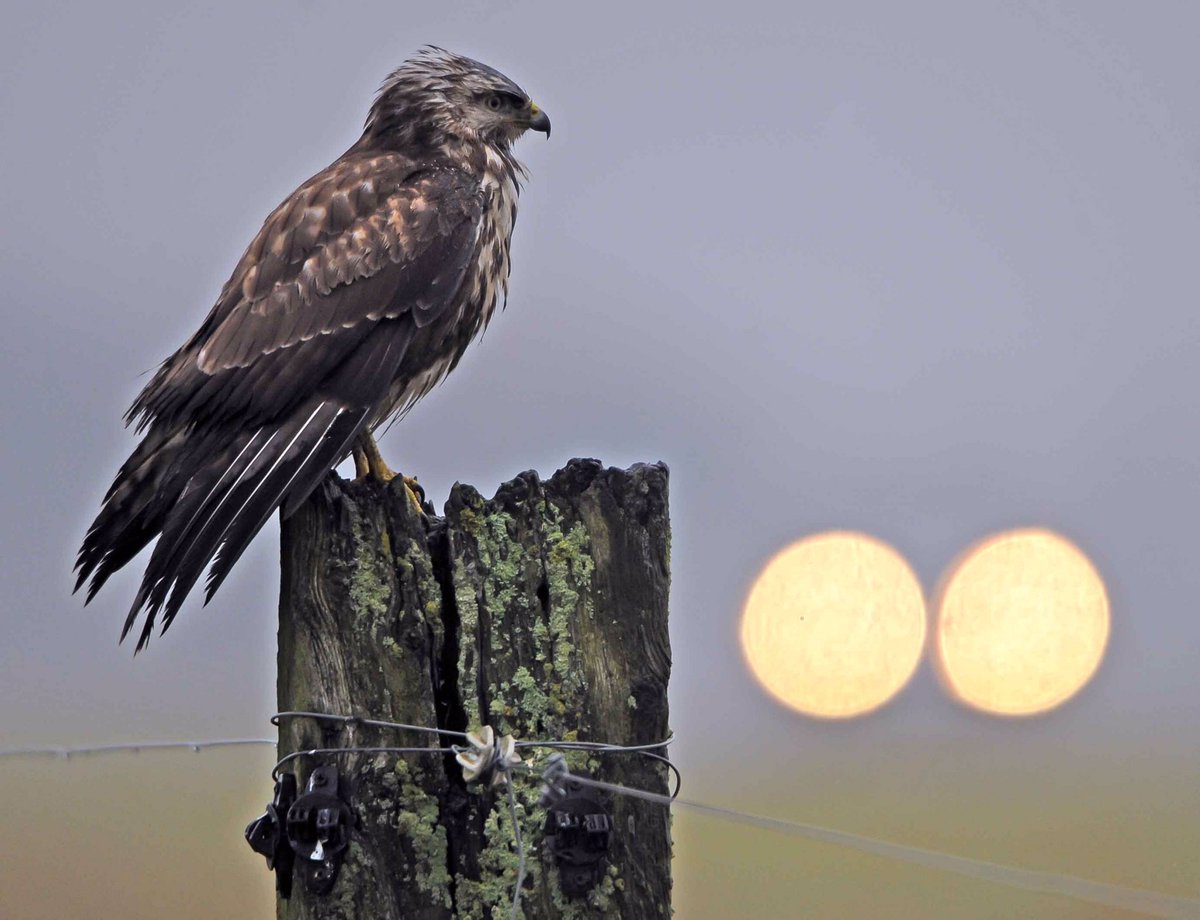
pixel 923 270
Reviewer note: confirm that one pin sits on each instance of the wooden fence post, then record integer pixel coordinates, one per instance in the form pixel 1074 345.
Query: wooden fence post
pixel 542 612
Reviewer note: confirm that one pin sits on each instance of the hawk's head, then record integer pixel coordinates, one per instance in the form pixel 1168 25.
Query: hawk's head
pixel 438 95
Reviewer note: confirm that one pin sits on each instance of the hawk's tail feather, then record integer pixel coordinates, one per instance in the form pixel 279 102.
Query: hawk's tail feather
pixel 215 476
pixel 323 438
pixel 299 483
pixel 206 489
pixel 229 501
pixel 135 506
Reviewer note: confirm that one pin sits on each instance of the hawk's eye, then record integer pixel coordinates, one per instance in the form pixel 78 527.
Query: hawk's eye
pixel 494 103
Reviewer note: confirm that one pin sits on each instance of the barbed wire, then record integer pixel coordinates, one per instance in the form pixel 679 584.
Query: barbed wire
pixel 1145 901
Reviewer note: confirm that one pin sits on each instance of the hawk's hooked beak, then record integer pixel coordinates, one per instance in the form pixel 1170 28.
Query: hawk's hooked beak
pixel 538 120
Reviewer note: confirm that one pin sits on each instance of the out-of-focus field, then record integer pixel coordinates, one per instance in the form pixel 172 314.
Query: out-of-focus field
pixel 138 836
pixel 159 834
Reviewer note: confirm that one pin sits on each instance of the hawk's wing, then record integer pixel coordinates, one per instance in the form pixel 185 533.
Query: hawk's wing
pixel 369 240
pixel 285 371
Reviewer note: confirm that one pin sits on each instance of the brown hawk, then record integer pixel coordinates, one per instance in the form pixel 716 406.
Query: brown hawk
pixel 359 294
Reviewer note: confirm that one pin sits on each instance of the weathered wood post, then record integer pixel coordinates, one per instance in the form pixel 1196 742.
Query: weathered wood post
pixel 543 612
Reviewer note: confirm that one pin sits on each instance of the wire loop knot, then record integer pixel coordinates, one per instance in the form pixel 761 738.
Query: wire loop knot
pixel 487 757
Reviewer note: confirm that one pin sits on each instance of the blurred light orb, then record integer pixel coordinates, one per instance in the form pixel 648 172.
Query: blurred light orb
pixel 1023 621
pixel 834 625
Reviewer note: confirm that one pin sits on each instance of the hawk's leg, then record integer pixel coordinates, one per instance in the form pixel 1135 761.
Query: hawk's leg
pixel 368 461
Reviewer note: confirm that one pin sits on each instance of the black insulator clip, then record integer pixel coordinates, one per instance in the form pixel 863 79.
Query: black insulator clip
pixel 267 834
pixel 318 829
pixel 578 833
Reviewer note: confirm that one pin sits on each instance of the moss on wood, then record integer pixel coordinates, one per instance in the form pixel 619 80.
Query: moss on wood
pixel 541 611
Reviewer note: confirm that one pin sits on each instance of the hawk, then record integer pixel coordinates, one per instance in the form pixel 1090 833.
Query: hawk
pixel 359 294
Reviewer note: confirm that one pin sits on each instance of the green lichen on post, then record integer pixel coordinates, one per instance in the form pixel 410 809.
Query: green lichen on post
pixel 344 899
pixel 490 896
pixel 414 815
pixel 360 628
pixel 537 687
pixel 540 611
pixel 495 588
pixel 504 558
pixel 569 568
pixel 532 702
pixel 467 603
pixel 371 578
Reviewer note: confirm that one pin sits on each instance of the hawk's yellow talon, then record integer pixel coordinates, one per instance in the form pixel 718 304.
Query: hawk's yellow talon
pixel 369 462
pixel 416 494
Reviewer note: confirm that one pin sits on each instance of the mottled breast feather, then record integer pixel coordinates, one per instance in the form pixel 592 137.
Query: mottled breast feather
pixel 436 351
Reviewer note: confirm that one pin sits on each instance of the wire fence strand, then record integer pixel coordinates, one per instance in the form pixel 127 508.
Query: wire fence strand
pixel 1150 903
pixel 134 747
pixel 1145 901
